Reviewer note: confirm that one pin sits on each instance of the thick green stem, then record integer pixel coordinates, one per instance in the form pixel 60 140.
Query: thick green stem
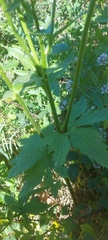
pixel 81 52
pixel 21 102
pixel 51 101
pixel 52 17
pixel 71 191
pixel 20 40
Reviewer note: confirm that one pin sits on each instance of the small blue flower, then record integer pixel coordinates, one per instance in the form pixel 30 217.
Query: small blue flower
pixel 68 86
pixel 102 59
pixel 63 105
pixel 104 89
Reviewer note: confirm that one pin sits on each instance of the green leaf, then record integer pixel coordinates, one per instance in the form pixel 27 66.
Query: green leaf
pixel 80 116
pixel 13 5
pixel 8 96
pixel 94 78
pixel 32 150
pixel 78 109
pixel 103 18
pixel 62 171
pixel 10 65
pixel 73 172
pixel 88 236
pixel 55 88
pixel 27 80
pixel 54 188
pixel 12 203
pixel 106 124
pixel 89 142
pixel 72 155
pixel 34 175
pixel 58 144
pixel 90 117
pixel 60 48
pixel 35 207
pixel 48 130
pixel 57 69
pixel 20 55
pixel 10 215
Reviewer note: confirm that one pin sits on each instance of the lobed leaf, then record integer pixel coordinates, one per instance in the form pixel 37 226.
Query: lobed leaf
pixel 73 172
pixel 25 81
pixel 35 206
pixel 80 116
pixel 89 142
pixel 78 109
pixel 22 57
pixel 57 69
pixel 90 117
pixel 34 175
pixel 32 150
pixel 59 145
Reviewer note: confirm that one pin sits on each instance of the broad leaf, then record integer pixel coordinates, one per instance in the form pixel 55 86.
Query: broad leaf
pixel 34 175
pixel 20 55
pixel 78 109
pixel 32 150
pixel 73 172
pixel 8 96
pixel 59 144
pixel 13 5
pixel 26 80
pixel 90 117
pixel 103 19
pixel 60 48
pixel 57 69
pixel 35 206
pixel 10 65
pixel 62 171
pixel 55 88
pixel 89 142
pixel 80 116
pixel 12 203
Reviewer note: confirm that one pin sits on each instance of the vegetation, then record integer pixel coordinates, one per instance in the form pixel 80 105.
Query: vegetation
pixel 54 120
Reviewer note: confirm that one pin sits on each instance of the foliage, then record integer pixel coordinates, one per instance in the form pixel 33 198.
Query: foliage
pixel 54 97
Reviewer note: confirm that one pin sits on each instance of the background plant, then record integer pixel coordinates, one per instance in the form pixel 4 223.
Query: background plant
pixel 42 70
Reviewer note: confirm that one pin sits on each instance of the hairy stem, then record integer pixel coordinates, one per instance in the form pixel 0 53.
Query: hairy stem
pixel 78 68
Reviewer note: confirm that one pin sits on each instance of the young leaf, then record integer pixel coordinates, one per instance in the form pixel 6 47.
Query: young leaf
pixel 89 142
pixel 32 150
pixel 59 144
pixel 35 206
